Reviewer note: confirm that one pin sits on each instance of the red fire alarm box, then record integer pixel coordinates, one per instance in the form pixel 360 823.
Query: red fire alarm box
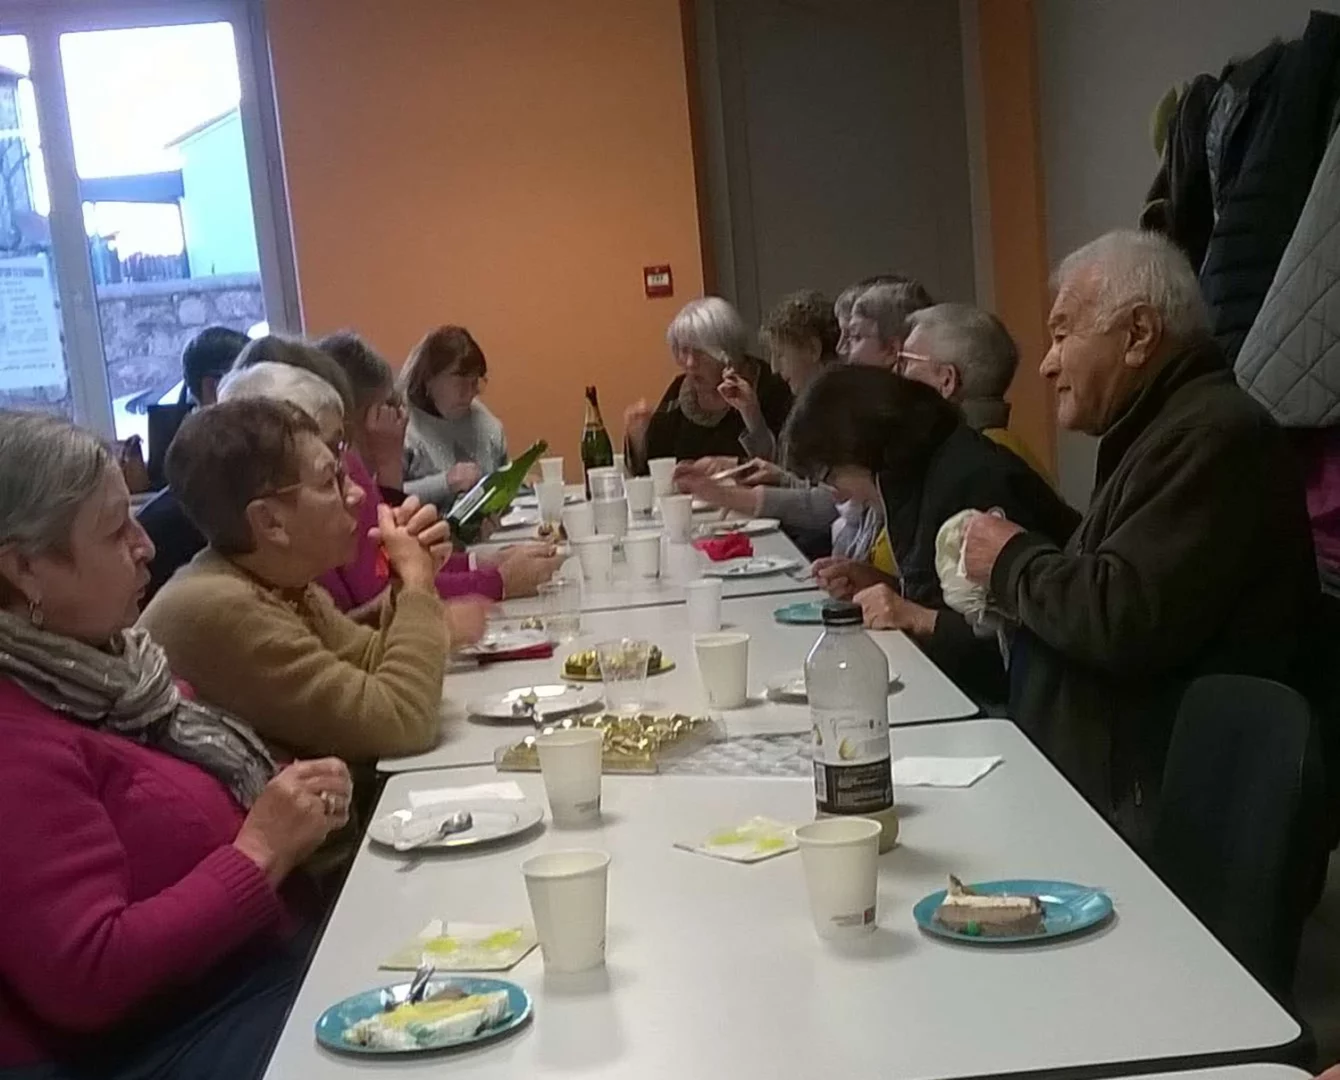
pixel 658 281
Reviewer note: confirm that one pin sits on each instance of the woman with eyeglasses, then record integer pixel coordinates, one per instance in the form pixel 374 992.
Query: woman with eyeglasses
pixel 873 436
pixel 157 916
pixel 246 623
pixel 452 439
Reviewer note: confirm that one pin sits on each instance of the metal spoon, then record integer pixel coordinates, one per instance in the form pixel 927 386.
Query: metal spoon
pixel 459 821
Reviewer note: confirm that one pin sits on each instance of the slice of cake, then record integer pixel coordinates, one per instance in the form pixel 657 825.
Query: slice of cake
pixel 966 911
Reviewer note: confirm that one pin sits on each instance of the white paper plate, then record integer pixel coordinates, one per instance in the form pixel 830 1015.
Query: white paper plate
pixel 496 641
pixel 523 501
pixel 748 527
pixel 753 566
pixel 555 699
pixel 790 686
pixel 518 519
pixel 494 820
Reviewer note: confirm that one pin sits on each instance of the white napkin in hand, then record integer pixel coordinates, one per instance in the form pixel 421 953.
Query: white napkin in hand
pixel 474 793
pixel 952 772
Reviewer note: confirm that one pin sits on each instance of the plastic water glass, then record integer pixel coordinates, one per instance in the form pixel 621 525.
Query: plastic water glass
pixel 561 607
pixel 623 670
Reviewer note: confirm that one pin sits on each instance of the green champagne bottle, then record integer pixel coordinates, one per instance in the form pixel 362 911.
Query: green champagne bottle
pixel 597 451
pixel 492 495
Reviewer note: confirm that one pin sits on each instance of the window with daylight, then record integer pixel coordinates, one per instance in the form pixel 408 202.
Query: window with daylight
pixel 137 205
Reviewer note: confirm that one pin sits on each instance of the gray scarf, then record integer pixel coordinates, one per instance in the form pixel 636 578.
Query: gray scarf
pixel 129 690
pixel 688 405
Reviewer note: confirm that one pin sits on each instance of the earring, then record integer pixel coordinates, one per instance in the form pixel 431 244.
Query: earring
pixel 35 615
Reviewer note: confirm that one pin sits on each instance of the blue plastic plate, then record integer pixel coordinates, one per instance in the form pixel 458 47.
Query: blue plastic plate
pixel 810 613
pixel 1066 909
pixel 331 1025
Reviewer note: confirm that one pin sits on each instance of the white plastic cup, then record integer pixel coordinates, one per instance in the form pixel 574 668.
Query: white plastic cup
pixel 551 468
pixel 641 495
pixel 681 563
pixel 569 892
pixel 662 475
pixel 611 516
pixel 723 664
pixel 704 603
pixel 596 554
pixel 838 855
pixel 579 521
pixel 677 517
pixel 642 550
pixel 570 764
pixel 549 494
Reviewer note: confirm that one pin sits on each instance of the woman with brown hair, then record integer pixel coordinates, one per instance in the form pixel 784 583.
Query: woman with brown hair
pixel 452 439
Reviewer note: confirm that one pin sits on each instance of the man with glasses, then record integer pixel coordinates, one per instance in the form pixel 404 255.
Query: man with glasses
pixel 967 355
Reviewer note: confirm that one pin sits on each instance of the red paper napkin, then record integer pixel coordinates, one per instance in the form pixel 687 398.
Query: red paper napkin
pixel 730 546
pixel 531 652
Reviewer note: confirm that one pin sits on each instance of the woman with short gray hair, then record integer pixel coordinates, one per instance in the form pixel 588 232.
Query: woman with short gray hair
pixel 724 404
pixel 150 842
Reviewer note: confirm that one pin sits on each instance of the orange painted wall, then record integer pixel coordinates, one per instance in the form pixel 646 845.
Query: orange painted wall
pixel 510 165
pixel 1015 183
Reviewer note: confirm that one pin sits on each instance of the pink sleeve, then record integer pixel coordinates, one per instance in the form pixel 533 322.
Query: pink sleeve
pixel 458 561
pixel 73 947
pixel 486 582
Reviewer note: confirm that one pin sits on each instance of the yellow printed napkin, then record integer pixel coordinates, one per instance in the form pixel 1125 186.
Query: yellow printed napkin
pixel 462 946
pixel 757 839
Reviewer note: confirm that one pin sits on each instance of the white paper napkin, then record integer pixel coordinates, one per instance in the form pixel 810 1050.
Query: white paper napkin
pixel 951 772
pixel 473 793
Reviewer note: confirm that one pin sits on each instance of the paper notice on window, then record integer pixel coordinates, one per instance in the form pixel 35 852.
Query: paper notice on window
pixel 30 344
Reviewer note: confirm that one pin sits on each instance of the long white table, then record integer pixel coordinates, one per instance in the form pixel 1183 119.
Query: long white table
pixel 921 695
pixel 1261 1070
pixel 684 563
pixel 715 970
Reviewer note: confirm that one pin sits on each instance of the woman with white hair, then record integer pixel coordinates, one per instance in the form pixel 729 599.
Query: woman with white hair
pixel 724 404
pixel 157 918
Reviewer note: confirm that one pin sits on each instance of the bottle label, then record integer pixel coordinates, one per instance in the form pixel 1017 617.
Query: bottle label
pixel 853 770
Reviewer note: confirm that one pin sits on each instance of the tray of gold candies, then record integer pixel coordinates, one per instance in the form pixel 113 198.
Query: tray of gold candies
pixel 633 743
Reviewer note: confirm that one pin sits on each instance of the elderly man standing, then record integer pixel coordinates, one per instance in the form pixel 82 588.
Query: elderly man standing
pixel 1195 555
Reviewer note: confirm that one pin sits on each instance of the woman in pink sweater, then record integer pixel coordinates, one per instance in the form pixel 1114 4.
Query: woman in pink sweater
pixel 153 916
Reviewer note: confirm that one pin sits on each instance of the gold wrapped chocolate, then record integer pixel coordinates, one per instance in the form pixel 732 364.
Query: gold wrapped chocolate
pixel 635 744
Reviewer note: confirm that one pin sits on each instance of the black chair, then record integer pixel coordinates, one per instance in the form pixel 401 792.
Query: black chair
pixel 1240 834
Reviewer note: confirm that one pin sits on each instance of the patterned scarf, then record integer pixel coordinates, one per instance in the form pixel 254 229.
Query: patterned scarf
pixel 688 405
pixel 129 690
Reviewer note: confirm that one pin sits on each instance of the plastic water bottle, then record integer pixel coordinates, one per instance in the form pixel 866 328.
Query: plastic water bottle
pixel 847 682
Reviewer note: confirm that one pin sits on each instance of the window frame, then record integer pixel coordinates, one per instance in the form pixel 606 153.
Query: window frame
pixel 42 22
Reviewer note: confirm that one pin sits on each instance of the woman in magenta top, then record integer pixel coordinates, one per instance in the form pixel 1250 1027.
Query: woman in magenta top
pixel 153 908
pixel 376 425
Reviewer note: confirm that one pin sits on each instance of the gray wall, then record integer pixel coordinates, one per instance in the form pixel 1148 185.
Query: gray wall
pixel 837 145
pixel 1104 64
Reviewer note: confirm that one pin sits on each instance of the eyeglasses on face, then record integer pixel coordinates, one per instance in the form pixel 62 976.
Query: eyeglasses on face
pixel 340 479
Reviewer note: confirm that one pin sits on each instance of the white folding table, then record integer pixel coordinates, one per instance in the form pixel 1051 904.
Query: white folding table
pixel 715 971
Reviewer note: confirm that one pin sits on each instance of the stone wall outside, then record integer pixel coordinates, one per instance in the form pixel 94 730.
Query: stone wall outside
pixel 146 324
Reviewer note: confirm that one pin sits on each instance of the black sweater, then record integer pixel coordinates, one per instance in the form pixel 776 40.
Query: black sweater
pixel 672 434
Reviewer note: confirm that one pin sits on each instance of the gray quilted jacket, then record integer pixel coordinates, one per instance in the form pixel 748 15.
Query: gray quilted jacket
pixel 1290 361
